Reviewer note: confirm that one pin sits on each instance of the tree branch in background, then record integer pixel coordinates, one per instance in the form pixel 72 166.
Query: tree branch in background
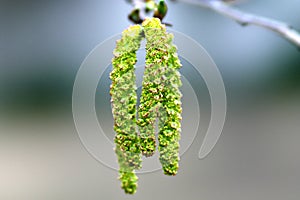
pixel 243 18
pixel 222 7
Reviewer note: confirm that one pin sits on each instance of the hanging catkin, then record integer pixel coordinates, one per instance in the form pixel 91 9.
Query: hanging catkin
pixel 124 99
pixel 149 101
pixel 161 96
pixel 160 100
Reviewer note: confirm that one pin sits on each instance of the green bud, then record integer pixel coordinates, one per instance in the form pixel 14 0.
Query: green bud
pixel 161 10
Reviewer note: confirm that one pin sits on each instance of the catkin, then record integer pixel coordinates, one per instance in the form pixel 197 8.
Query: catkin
pixel 161 96
pixel 160 101
pixel 124 99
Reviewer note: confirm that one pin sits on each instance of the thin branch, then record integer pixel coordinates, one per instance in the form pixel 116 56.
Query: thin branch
pixel 243 18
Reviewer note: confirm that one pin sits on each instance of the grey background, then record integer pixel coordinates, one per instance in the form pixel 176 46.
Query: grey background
pixel 42 44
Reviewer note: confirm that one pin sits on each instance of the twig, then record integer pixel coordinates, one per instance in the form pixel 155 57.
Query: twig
pixel 243 18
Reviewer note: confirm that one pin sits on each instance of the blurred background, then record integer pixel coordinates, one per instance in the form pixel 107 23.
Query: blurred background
pixel 42 45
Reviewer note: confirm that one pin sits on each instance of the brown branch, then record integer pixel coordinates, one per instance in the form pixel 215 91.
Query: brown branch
pixel 243 18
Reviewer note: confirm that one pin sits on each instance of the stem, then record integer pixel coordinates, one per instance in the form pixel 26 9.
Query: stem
pixel 244 18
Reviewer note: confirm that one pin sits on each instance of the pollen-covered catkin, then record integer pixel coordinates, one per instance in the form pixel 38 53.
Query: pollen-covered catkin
pixel 161 93
pixel 151 95
pixel 124 99
pixel 148 109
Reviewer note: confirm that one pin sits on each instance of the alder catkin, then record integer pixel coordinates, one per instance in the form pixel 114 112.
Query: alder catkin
pixel 161 96
pixel 124 99
pixel 148 108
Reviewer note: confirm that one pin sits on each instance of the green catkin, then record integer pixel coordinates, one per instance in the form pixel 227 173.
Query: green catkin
pixel 148 110
pixel 161 96
pixel 151 95
pixel 124 99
